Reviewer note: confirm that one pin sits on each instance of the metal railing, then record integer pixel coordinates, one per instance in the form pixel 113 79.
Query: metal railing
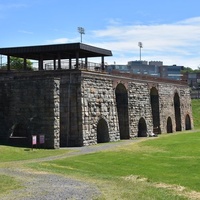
pixel 90 66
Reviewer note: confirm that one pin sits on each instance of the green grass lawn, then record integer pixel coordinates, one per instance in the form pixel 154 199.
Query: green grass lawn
pixel 16 154
pixel 196 113
pixel 8 183
pixel 172 159
pixel 153 169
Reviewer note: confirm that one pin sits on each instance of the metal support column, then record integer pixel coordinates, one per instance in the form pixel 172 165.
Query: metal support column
pixel 54 64
pixel 8 63
pixel 86 63
pixel 77 59
pixel 25 64
pixel 70 63
pixel 102 63
pixel 41 63
pixel 59 61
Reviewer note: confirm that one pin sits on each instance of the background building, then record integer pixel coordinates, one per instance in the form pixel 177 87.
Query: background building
pixel 193 80
pixel 153 68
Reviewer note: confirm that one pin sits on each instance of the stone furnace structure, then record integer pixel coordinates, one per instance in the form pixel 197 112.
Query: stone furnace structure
pixel 74 102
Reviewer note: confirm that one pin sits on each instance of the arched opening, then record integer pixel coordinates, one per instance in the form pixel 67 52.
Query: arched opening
pixel 187 123
pixel 177 111
pixel 122 110
pixel 102 131
pixel 155 110
pixel 19 130
pixel 142 128
pixel 19 136
pixel 169 125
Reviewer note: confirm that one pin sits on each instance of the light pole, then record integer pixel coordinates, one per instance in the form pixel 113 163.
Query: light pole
pixel 140 45
pixel 81 30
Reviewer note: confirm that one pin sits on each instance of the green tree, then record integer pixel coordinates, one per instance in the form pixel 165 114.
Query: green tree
pixel 18 64
pixel 187 69
pixel 190 70
pixel 197 70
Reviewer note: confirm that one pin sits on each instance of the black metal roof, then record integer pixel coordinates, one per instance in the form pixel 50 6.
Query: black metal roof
pixel 50 52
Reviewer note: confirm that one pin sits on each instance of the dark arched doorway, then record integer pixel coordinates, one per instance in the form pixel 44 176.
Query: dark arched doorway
pixel 169 125
pixel 155 110
pixel 187 123
pixel 19 130
pixel 122 110
pixel 142 128
pixel 177 111
pixel 102 131
pixel 19 136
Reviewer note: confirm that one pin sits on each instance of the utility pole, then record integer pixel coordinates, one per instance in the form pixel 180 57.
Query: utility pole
pixel 140 46
pixel 81 30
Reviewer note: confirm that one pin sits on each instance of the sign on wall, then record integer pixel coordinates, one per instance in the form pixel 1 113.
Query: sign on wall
pixel 42 139
pixel 34 139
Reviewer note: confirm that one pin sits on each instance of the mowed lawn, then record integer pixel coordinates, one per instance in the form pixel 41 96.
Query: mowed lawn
pixel 9 153
pixel 154 168
pixel 172 159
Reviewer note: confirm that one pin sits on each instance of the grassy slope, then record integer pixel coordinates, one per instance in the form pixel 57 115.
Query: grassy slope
pixel 16 153
pixel 196 113
pixel 171 159
pixel 8 183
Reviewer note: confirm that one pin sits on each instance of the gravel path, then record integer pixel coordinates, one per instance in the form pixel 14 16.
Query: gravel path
pixel 47 186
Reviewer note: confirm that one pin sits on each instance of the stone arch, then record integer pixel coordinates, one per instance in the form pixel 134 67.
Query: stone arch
pixel 177 111
pixel 169 127
pixel 102 131
pixel 154 98
pixel 122 110
pixel 188 123
pixel 142 128
pixel 19 130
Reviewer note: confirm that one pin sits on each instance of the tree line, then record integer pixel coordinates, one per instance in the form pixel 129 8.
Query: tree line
pixel 18 64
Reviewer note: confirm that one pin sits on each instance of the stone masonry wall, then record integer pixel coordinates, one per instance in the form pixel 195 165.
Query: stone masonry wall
pixel 139 106
pixel 33 106
pixel 166 98
pixel 98 101
pixel 70 110
pixel 68 106
pixel 186 106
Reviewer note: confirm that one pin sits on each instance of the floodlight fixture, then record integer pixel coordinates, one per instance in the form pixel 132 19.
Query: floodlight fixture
pixel 81 30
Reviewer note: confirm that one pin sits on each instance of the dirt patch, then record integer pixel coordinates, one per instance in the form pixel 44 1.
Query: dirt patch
pixel 178 189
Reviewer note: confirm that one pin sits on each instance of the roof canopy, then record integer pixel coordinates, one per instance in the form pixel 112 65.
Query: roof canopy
pixel 57 51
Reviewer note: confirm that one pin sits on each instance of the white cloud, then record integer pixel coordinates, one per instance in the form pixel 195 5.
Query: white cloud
pixel 25 32
pixel 177 43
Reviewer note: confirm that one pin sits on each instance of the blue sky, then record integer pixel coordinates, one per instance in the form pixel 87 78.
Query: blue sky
pixel 169 30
